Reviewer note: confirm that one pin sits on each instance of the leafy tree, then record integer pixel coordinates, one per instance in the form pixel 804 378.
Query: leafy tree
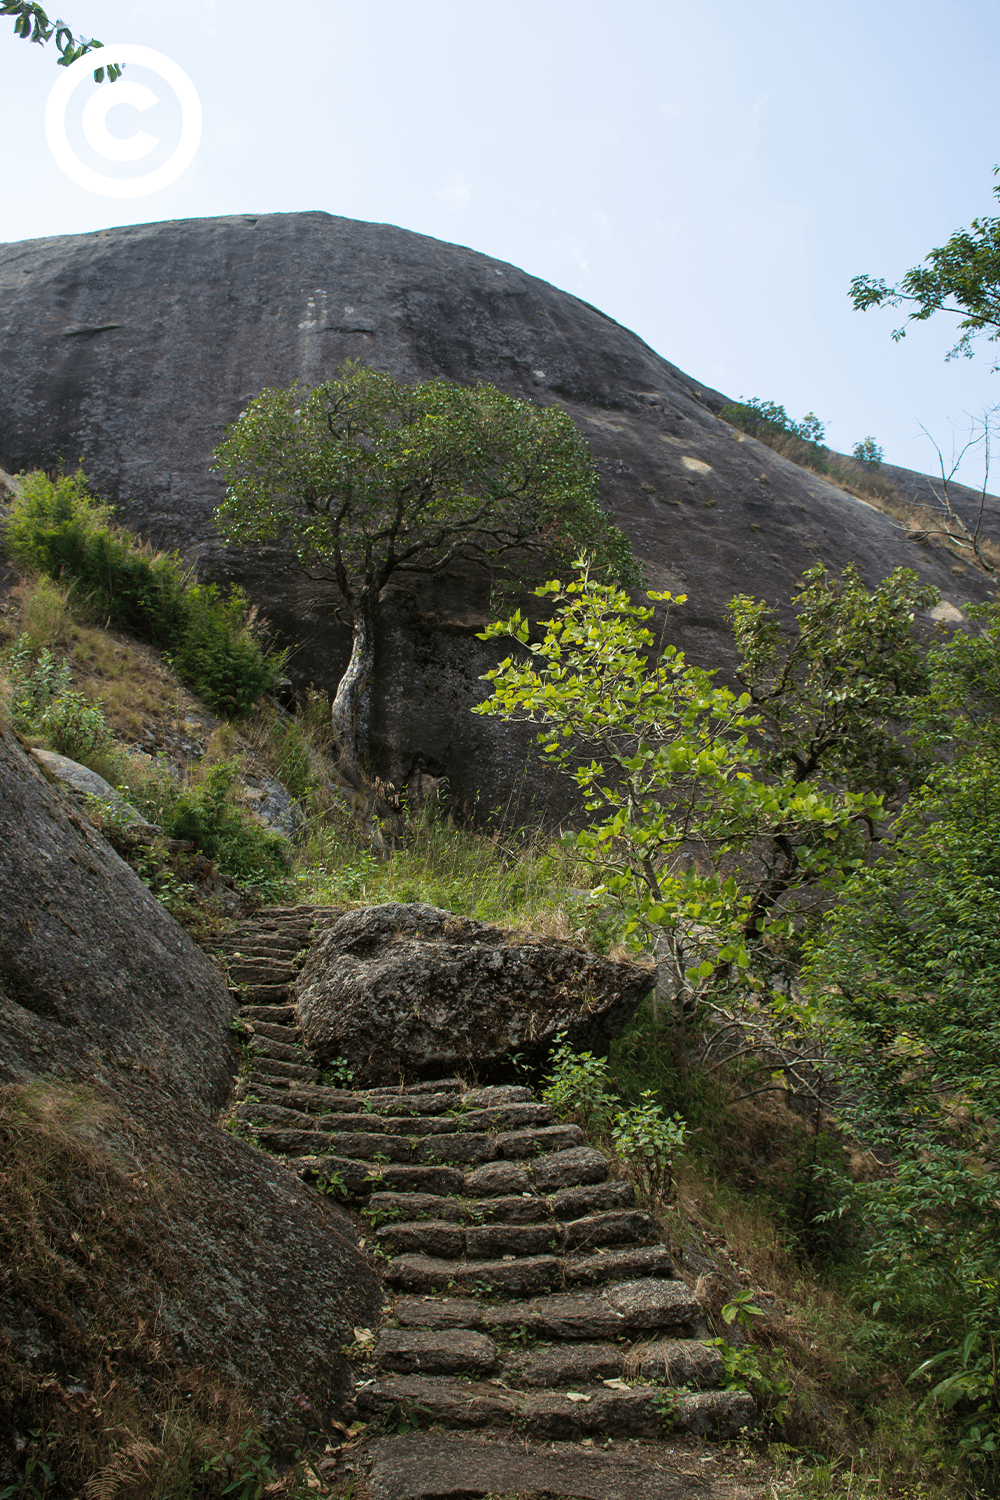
pixel 707 811
pixel 961 277
pixel 31 23
pixel 867 451
pixel 371 480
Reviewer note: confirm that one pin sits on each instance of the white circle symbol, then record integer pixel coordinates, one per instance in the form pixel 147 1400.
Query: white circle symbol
pixel 95 114
pixel 116 148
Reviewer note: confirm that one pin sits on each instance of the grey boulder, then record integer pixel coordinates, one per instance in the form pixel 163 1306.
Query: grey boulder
pixel 410 991
pixel 87 783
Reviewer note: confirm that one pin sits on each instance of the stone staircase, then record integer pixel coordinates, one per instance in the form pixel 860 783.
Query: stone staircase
pixel 528 1299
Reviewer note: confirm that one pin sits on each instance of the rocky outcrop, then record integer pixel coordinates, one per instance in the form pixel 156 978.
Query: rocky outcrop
pixel 96 977
pixel 87 783
pixel 134 347
pixel 120 1026
pixel 409 991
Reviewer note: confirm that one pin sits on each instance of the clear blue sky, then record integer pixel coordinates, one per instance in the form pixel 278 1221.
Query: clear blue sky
pixel 712 176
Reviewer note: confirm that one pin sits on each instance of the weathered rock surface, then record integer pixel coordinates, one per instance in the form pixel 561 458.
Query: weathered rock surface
pixel 87 782
pixel 406 991
pixel 134 347
pixel 109 1012
pixel 95 974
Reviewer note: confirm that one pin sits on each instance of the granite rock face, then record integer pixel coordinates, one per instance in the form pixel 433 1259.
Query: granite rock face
pixel 111 1015
pixel 96 977
pixel 410 991
pixel 133 348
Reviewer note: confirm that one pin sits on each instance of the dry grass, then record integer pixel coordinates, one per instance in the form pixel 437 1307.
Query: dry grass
pixel 882 493
pixel 141 699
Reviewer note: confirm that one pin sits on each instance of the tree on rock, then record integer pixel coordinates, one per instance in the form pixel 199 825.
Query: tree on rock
pixel 369 479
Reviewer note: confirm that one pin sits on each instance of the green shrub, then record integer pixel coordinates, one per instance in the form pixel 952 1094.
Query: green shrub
pixel 234 841
pixel 73 726
pixel 650 1142
pixel 34 682
pixel 57 527
pixel 43 703
pixel 647 1140
pixel 771 423
pixel 579 1085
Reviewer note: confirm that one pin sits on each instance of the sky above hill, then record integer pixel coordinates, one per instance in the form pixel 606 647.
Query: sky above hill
pixel 710 176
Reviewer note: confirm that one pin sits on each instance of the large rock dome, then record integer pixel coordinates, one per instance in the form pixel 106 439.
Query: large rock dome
pixel 132 348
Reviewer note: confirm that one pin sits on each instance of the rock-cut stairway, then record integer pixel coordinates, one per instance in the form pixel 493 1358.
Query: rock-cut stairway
pixel 527 1296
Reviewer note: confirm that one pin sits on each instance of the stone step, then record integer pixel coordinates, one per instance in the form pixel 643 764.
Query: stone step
pixel 625 1309
pixel 277 950
pixel 604 1197
pixel 363 1177
pixel 677 1362
pixel 580 1166
pixel 432 1086
pixel 527 1276
pixel 262 1068
pixel 429 1465
pixel 323 1099
pixel 243 974
pixel 505 1117
pixel 415 1126
pixel 446 1238
pixel 643 1411
pixel 264 994
pixel 268 1091
pixel 276 1032
pixel 522 1275
pixel 524 1208
pixel 278 1014
pixel 503 1093
pixel 263 1046
pixel 370 1146
pixel 407 1351
pixel 521 1143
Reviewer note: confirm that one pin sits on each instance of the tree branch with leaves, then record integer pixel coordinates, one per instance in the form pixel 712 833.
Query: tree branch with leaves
pixel 33 25
pixel 708 812
pixel 961 277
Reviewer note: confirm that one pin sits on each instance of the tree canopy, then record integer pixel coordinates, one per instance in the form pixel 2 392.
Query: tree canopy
pixel 31 23
pixel 707 812
pixel 369 479
pixel 962 277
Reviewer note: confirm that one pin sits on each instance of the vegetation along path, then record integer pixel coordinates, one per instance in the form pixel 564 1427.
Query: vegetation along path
pixel 529 1305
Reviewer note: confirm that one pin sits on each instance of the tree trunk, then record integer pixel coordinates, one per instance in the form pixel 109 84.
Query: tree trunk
pixel 669 991
pixel 349 713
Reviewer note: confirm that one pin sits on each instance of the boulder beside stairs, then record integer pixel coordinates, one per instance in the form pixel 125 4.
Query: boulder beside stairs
pixel 535 1337
pixel 408 991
